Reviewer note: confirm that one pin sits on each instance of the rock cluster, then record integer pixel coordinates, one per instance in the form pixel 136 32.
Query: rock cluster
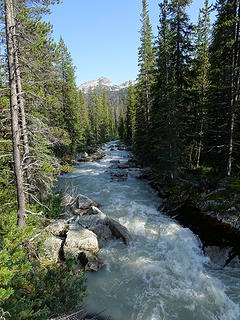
pixel 83 234
pixel 95 156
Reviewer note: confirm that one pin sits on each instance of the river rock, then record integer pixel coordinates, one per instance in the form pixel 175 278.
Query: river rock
pixel 82 204
pixel 58 228
pixel 90 262
pixel 52 247
pixel 220 256
pixel 119 231
pixel 81 156
pixel 67 201
pixel 115 161
pixel 98 224
pixel 95 156
pixel 120 174
pixel 104 227
pixel 80 240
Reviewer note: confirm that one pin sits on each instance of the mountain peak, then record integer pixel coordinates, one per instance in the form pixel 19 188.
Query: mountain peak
pixel 101 82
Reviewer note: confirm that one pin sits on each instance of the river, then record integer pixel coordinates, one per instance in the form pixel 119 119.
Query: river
pixel 162 274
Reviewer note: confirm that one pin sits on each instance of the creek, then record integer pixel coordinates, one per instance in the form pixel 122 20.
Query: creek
pixel 163 273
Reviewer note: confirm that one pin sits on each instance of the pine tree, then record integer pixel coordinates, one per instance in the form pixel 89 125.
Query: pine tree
pixel 145 80
pixel 181 53
pixel 222 113
pixel 169 128
pixel 15 118
pixel 70 98
pixel 164 121
pixel 85 121
pixel 130 115
pixel 200 84
pixel 122 126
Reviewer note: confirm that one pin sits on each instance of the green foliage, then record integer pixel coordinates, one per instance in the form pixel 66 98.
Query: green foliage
pixel 30 288
pixel 102 119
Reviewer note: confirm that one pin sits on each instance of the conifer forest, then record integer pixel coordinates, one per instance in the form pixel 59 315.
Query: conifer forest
pixel 142 183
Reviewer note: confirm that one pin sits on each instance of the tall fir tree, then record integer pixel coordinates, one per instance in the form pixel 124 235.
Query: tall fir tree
pixel 147 65
pixel 200 85
pixel 223 114
pixel 130 115
pixel 69 99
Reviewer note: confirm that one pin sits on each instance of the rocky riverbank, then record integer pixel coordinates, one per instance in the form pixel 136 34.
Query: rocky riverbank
pixel 84 230
pixel 210 210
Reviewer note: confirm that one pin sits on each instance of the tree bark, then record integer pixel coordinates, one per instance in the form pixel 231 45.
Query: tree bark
pixel 21 105
pixel 14 115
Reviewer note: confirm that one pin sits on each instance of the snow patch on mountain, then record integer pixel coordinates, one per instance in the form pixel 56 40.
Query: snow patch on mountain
pixel 104 83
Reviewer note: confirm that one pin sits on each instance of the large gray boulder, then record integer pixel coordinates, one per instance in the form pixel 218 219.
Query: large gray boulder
pixel 58 228
pixel 90 262
pixel 52 247
pixel 97 155
pixel 97 223
pixel 120 174
pixel 104 227
pixel 119 231
pixel 82 204
pixel 80 240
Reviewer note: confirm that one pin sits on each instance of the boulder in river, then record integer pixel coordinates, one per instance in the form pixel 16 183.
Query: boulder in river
pixel 82 204
pixel 80 240
pixel 90 262
pixel 104 227
pixel 82 235
pixel 119 231
pixel 97 155
pixel 119 174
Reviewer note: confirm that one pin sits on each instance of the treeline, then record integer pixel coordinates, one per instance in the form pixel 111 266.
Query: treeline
pixel 48 122
pixel 44 123
pixel 183 114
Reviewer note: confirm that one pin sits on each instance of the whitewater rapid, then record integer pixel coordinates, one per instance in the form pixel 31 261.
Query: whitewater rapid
pixel 162 274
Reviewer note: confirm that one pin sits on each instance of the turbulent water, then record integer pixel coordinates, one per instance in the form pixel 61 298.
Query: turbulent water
pixel 163 273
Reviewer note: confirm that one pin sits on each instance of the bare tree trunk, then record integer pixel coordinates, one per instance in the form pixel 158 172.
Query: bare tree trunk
pixel 234 88
pixel 14 115
pixel 22 108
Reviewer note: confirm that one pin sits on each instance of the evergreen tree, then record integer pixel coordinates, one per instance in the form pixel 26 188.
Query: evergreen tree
pixel 122 126
pixel 69 98
pixel 163 124
pixel 170 111
pixel 88 139
pixel 145 80
pixel 200 76
pixel 223 112
pixel 14 80
pixel 130 115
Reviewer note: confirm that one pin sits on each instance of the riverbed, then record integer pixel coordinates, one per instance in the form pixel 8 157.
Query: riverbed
pixel 163 273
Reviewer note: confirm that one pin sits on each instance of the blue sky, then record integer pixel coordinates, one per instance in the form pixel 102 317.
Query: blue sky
pixel 103 35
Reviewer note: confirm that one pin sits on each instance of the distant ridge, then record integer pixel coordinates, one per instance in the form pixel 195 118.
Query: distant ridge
pixel 117 94
pixel 103 82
